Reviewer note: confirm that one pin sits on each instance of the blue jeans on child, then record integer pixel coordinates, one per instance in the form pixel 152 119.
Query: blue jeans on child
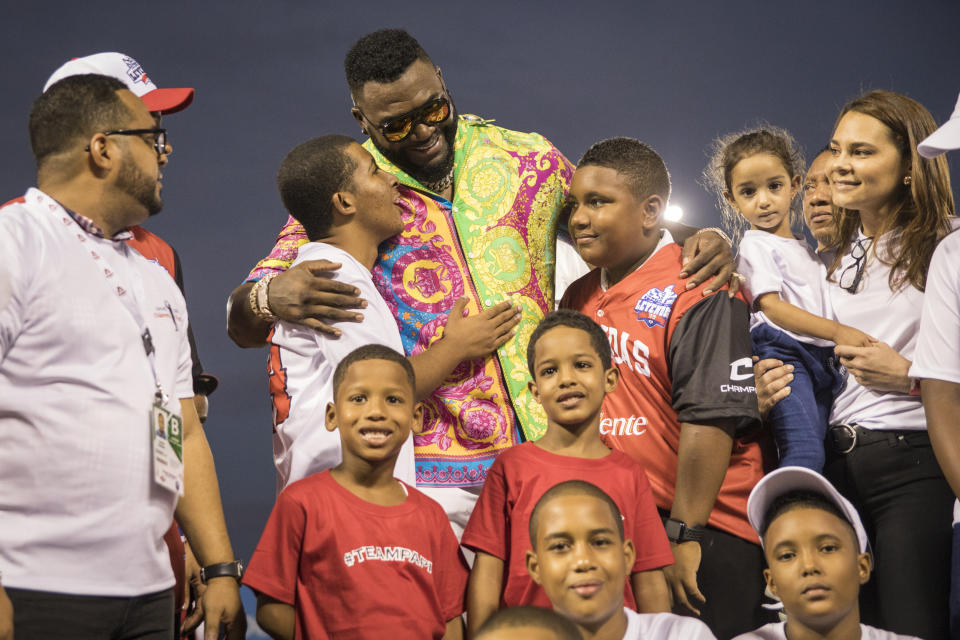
pixel 799 421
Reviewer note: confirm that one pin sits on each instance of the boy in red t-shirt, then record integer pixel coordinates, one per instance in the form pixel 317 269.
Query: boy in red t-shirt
pixel 686 407
pixel 352 552
pixel 569 359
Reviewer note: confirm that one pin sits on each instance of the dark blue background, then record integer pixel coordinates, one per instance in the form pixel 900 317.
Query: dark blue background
pixel 269 75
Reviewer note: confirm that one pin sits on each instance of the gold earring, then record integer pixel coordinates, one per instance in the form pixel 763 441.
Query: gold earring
pixel 907 180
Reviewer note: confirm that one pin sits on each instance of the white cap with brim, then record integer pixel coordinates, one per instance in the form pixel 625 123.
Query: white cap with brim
pixel 786 479
pixel 946 138
pixel 127 70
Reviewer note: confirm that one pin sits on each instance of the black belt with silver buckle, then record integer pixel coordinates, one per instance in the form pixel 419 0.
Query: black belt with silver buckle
pixel 844 438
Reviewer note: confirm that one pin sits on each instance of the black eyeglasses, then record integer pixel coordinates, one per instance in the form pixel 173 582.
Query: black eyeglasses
pixel 159 139
pixel 399 128
pixel 852 276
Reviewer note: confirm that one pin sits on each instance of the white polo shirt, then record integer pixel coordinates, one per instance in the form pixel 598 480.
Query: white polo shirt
pixel 938 345
pixel 79 511
pixel 301 365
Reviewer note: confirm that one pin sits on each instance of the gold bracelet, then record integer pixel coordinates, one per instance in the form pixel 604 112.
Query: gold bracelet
pixel 260 302
pixel 719 232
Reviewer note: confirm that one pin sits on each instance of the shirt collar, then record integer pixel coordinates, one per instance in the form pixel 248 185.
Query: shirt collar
pixel 93 229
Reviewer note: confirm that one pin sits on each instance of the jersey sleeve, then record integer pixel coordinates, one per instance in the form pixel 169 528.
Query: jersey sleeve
pixel 284 251
pixel 16 276
pixel 274 565
pixel 452 571
pixel 938 344
pixel 488 529
pixel 711 365
pixel 649 538
pixel 756 262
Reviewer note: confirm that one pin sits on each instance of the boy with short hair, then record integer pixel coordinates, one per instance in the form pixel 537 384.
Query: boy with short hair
pixel 581 558
pixel 816 550
pixel 686 407
pixel 352 552
pixel 569 360
pixel 348 207
pixel 527 623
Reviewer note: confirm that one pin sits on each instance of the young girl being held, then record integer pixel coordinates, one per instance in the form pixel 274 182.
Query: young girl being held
pixel 756 175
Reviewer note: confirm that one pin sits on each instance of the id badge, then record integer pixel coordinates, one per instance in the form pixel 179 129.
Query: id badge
pixel 167 430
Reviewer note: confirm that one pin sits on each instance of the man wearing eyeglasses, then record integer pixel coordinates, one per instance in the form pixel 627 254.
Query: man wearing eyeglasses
pixel 99 436
pixel 482 207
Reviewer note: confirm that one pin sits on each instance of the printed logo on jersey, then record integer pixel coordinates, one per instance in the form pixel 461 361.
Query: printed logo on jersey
pixel 386 554
pixel 134 70
pixel 629 426
pixel 653 308
pixel 741 369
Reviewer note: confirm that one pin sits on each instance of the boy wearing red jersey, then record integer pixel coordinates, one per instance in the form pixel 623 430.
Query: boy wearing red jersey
pixel 570 362
pixel 686 406
pixel 353 552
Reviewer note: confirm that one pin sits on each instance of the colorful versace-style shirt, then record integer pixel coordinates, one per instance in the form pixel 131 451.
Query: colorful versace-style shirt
pixel 495 241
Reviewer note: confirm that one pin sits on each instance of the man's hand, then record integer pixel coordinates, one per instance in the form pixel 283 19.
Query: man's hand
pixel 6 616
pixel 193 600
pixel 772 380
pixel 706 254
pixel 482 333
pixel 682 578
pixel 306 294
pixel 877 366
pixel 221 605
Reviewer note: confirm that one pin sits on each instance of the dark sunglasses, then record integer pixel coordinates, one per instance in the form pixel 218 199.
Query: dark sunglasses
pixel 399 128
pixel 159 140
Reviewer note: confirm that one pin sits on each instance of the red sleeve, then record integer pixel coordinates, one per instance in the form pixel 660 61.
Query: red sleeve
pixel 489 527
pixel 274 565
pixel 649 538
pixel 452 571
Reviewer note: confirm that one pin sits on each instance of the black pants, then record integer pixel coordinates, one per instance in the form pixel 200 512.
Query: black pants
pixel 906 506
pixel 731 579
pixel 43 615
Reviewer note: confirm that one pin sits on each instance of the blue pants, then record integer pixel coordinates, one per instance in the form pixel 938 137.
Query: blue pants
pixel 799 421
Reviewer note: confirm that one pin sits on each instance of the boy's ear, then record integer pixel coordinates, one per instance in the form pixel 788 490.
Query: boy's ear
pixel 729 198
pixel 768 576
pixel 864 567
pixel 534 390
pixel 611 377
pixel 652 211
pixel 417 425
pixel 331 415
pixel 533 566
pixel 343 203
pixel 629 555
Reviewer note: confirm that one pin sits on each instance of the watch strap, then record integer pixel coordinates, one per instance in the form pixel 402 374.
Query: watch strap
pixel 679 531
pixel 222 570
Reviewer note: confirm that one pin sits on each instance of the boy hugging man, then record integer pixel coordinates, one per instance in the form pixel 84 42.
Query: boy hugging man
pixel 581 558
pixel 816 550
pixel 569 359
pixel 348 206
pixel 685 406
pixel 352 552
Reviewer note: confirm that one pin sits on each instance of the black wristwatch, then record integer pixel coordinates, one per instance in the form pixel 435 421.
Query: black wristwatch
pixel 222 570
pixel 679 531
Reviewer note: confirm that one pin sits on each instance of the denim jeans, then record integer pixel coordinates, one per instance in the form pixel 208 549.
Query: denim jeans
pixel 799 421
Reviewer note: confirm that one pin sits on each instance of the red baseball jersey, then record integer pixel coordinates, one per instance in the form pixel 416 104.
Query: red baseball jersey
pixel 682 357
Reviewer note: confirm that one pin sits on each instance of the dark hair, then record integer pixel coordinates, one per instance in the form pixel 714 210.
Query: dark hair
pixel 309 177
pixel 803 498
pixel 74 109
pixel 381 56
pixel 371 352
pixel 636 161
pixel 575 320
pixel 729 150
pixel 545 619
pixel 923 208
pixel 572 488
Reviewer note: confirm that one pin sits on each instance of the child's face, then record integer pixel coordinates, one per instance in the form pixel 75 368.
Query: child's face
pixel 569 379
pixel 374 410
pixel 815 567
pixel 375 194
pixel 609 226
pixel 761 190
pixel 580 559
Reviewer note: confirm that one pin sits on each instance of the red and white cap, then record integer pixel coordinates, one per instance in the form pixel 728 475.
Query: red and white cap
pixel 127 70
pixel 946 138
pixel 785 479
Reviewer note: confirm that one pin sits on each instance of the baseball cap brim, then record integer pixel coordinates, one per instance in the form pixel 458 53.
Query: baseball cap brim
pixel 946 138
pixel 167 101
pixel 786 479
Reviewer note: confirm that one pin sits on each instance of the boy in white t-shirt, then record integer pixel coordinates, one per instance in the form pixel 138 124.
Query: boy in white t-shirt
pixel 582 561
pixel 348 206
pixel 817 554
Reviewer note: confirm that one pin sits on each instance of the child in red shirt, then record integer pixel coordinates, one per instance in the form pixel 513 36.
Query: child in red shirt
pixel 569 359
pixel 352 552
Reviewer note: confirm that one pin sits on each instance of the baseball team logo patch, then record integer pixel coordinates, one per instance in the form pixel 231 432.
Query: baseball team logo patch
pixel 653 308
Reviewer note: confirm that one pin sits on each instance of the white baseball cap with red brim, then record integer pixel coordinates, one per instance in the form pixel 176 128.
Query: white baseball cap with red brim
pixel 946 138
pixel 127 70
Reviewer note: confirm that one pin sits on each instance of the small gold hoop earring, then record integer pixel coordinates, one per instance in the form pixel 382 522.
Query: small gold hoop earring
pixel 907 180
